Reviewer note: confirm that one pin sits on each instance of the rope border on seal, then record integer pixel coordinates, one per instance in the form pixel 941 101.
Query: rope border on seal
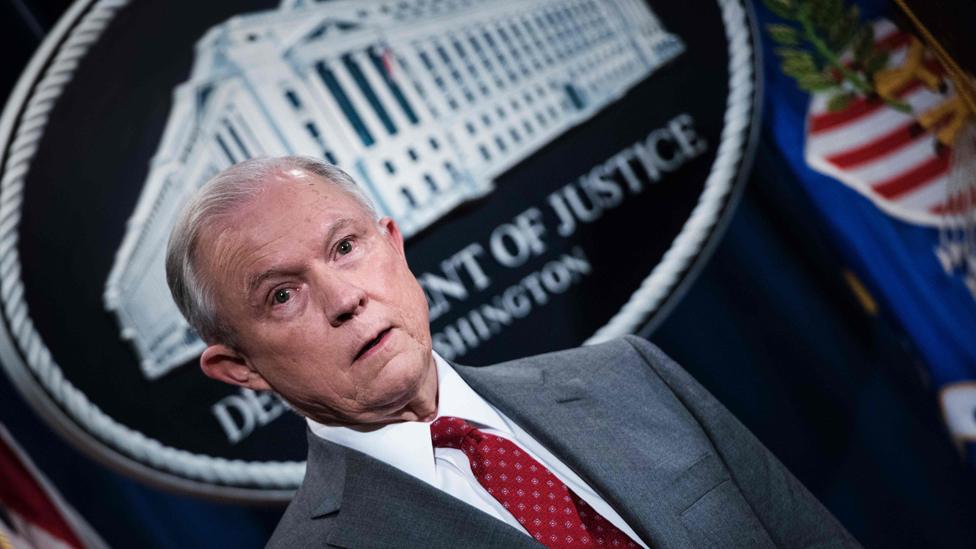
pixel 685 247
pixel 289 474
pixel 143 449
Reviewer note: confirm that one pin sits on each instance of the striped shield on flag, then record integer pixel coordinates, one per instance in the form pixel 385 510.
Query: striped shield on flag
pixel 887 155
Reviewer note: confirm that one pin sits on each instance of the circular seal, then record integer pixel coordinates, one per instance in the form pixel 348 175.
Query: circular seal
pixel 559 169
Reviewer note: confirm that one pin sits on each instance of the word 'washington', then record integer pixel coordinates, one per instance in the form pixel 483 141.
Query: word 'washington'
pixel 482 322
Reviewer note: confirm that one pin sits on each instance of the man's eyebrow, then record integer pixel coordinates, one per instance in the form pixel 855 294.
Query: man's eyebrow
pixel 338 226
pixel 255 282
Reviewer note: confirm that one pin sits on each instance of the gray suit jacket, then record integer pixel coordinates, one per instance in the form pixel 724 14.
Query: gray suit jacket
pixel 655 444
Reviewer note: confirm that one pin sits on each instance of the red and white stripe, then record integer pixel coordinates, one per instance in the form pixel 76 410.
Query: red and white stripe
pixel 38 516
pixel 880 152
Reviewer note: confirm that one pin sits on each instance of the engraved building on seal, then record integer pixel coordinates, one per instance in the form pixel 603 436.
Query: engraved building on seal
pixel 423 102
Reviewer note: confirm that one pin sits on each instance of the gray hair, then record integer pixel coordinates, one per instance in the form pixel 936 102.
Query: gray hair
pixel 218 197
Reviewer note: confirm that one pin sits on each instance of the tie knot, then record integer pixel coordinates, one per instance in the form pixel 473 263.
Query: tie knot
pixel 447 431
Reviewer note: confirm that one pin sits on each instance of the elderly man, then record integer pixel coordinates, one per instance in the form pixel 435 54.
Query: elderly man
pixel 283 268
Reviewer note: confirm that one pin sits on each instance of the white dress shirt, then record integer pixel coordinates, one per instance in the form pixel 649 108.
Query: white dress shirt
pixel 408 447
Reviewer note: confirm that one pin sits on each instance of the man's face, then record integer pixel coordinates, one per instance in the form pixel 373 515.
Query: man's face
pixel 321 302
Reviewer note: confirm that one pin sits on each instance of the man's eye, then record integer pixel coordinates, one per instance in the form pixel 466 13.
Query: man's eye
pixel 282 295
pixel 344 247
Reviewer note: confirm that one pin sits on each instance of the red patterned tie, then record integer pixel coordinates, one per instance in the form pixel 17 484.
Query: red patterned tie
pixel 543 505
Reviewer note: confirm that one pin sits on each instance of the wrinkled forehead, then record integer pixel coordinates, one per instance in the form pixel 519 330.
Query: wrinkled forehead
pixel 295 205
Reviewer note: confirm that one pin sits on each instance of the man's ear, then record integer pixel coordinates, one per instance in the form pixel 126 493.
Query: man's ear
pixel 392 233
pixel 223 363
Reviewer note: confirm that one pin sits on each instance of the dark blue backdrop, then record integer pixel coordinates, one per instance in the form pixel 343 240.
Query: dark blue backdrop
pixel 770 326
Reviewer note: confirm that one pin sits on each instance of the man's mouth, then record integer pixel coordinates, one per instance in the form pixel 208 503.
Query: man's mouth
pixel 371 344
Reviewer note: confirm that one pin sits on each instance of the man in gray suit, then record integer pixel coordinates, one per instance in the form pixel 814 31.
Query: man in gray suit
pixel 283 268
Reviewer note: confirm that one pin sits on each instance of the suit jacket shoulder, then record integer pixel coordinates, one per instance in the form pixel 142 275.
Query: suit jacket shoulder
pixel 576 363
pixel 678 466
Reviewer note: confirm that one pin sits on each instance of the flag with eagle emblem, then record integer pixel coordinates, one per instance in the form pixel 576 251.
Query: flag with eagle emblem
pixel 882 141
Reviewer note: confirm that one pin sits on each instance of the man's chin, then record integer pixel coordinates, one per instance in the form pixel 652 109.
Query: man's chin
pixel 390 392
pixel 399 386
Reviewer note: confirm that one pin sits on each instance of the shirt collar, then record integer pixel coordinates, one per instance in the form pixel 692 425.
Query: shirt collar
pixel 457 399
pixel 407 445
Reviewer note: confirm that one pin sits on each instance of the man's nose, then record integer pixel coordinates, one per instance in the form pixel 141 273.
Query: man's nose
pixel 343 299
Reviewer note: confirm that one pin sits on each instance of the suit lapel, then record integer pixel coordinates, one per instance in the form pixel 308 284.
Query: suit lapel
pixel 383 507
pixel 376 505
pixel 633 466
